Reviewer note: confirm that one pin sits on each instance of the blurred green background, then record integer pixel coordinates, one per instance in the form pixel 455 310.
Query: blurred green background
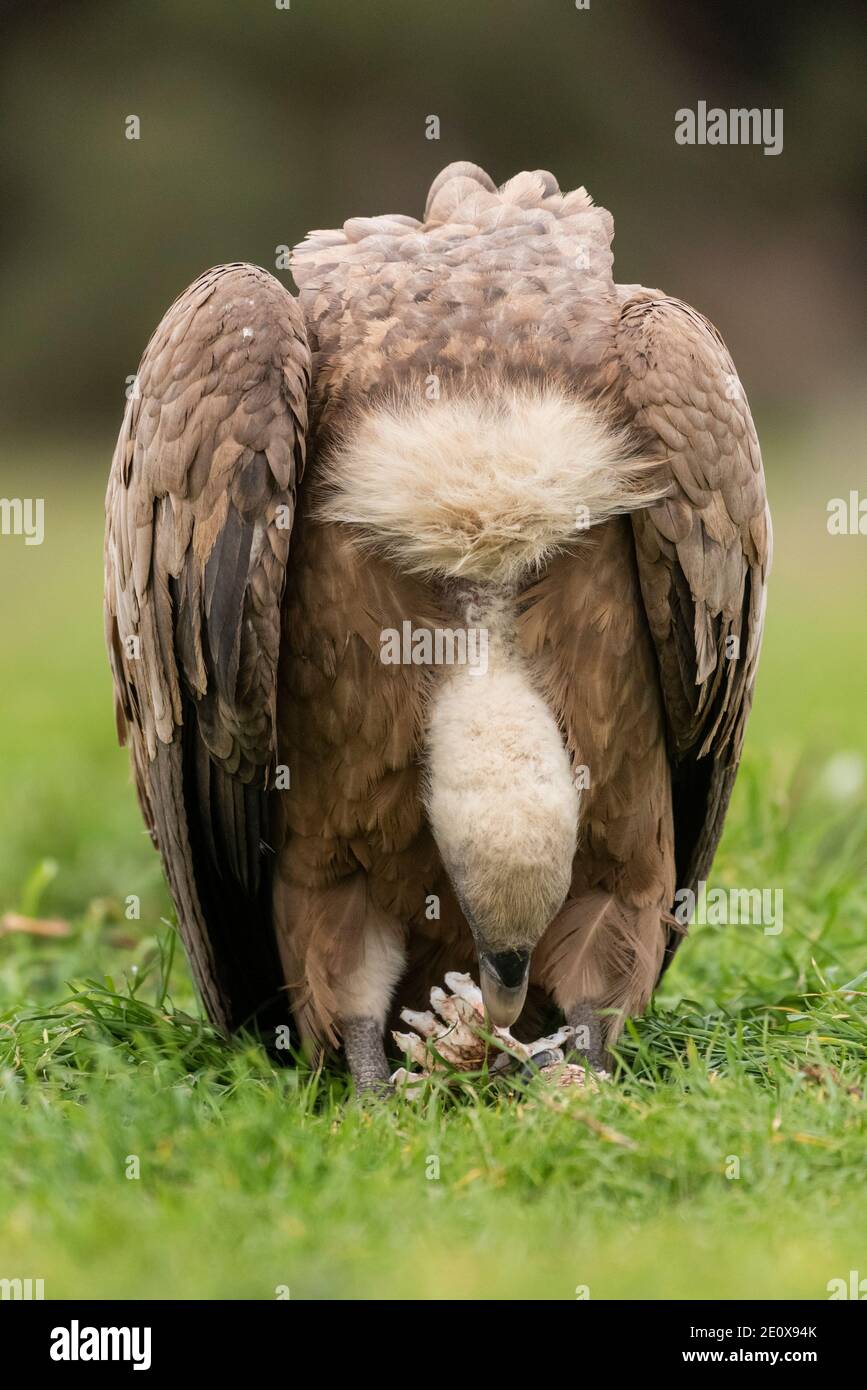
pixel 257 124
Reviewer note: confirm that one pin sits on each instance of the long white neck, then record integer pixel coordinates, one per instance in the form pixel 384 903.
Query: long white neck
pixel 501 800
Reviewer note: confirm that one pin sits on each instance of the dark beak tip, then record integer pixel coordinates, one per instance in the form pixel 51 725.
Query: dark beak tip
pixel 509 967
pixel 504 978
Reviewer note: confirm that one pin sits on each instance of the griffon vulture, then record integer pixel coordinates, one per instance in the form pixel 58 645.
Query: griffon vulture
pixel 469 690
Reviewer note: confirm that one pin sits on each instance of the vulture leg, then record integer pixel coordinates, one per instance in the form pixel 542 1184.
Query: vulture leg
pixel 599 961
pixel 342 958
pixel 365 1053
pixel 590 1029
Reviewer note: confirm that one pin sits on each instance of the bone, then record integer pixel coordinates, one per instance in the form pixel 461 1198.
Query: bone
pixel 465 987
pixel 424 1023
pixel 451 1035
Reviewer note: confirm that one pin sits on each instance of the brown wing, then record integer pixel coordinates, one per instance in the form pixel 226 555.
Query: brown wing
pixel 199 510
pixel 703 554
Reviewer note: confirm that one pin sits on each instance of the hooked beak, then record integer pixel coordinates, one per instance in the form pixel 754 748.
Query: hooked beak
pixel 503 977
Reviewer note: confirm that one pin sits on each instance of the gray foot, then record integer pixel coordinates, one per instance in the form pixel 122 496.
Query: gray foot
pixel 534 1064
pixel 365 1053
pixel 590 1032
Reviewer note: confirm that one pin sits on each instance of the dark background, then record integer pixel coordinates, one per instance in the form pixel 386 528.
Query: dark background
pixel 259 123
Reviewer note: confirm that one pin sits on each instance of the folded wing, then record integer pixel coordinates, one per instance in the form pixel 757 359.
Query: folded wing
pixel 703 552
pixel 199 511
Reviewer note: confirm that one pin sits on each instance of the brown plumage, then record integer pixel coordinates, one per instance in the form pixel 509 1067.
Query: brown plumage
pixel 463 385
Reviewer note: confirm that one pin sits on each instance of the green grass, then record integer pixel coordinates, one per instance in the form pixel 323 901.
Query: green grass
pixel 253 1178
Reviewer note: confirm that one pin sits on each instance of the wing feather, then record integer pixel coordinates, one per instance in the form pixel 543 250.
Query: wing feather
pixel 199 508
pixel 703 553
